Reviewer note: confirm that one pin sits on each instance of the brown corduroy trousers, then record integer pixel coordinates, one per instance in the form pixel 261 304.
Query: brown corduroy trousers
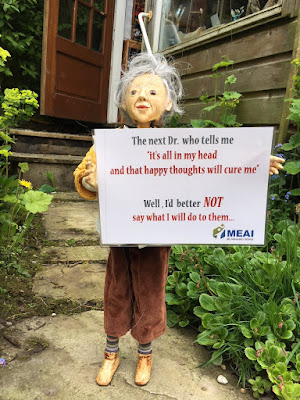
pixel 134 292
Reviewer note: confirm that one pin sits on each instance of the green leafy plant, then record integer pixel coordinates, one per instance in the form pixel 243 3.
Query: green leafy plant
pixel 224 104
pixel 285 188
pixel 18 201
pixel 282 369
pixel 244 301
pixel 21 25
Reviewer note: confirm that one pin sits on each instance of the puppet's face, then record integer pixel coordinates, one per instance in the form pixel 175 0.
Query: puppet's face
pixel 146 100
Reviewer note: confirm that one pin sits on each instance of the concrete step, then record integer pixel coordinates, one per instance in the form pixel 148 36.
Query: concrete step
pixel 50 143
pixel 61 166
pixel 57 153
pixel 46 158
pixel 75 254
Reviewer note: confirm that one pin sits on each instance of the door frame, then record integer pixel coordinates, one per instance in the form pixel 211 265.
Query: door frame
pixel 116 59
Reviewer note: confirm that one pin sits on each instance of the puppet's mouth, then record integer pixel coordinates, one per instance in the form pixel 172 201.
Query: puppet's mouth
pixel 142 106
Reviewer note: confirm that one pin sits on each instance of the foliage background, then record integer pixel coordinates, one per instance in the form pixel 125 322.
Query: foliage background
pixel 21 27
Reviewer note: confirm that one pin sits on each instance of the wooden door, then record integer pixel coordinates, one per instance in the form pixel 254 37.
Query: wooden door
pixel 76 59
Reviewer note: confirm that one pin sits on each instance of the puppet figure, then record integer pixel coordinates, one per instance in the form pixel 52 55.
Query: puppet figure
pixel 134 292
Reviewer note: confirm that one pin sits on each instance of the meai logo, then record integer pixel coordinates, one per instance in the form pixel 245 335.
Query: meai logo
pixel 219 232
pixel 233 234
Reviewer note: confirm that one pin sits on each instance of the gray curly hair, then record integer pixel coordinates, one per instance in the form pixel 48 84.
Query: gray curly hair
pixel 155 64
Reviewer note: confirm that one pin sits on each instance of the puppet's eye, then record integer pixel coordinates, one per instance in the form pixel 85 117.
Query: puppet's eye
pixel 153 92
pixel 133 92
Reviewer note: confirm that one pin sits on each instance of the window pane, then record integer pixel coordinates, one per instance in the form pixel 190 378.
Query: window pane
pixel 97 32
pixel 185 20
pixel 100 5
pixel 65 18
pixel 82 24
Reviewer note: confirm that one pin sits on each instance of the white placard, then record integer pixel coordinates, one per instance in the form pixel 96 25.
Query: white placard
pixel 183 185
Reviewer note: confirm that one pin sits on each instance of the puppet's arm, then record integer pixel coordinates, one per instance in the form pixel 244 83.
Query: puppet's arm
pixel 275 165
pixel 81 172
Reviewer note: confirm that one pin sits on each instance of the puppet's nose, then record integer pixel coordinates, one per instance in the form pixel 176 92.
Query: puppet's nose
pixel 143 94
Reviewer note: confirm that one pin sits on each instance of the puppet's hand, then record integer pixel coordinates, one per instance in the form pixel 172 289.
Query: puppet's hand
pixel 275 165
pixel 90 174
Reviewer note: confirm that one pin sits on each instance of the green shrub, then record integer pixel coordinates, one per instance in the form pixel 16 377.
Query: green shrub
pixel 21 27
pixel 18 201
pixel 244 301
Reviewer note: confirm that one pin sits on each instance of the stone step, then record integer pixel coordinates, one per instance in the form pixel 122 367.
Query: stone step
pixel 67 197
pixel 71 221
pixel 46 158
pixel 53 135
pixel 75 254
pixel 61 166
pixel 57 153
pixel 50 143
pixel 83 281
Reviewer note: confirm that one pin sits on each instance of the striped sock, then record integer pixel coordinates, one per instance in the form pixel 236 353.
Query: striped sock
pixel 145 348
pixel 112 344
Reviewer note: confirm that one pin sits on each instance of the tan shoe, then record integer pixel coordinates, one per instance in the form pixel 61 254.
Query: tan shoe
pixel 108 368
pixel 143 369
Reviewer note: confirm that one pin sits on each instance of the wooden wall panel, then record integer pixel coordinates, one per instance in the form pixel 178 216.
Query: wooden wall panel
pixel 263 42
pixel 269 75
pixel 264 110
pixel 262 57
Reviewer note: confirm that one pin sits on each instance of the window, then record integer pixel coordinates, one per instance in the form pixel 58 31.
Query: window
pixel 185 20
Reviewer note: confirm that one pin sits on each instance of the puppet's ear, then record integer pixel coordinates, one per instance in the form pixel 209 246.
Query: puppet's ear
pixel 123 105
pixel 169 105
